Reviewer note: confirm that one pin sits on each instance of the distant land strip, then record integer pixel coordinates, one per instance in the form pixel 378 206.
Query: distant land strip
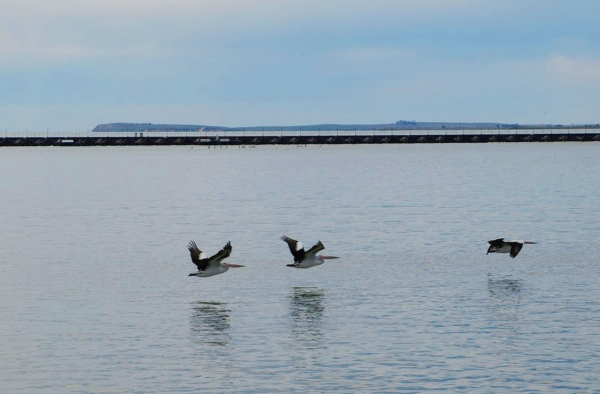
pixel 399 125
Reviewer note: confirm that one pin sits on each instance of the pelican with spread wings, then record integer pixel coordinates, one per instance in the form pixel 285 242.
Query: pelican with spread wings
pixel 210 266
pixel 308 258
pixel 511 247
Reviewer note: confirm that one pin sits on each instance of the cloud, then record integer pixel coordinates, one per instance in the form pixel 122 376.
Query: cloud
pixel 362 55
pixel 264 61
pixel 72 29
pixel 41 9
pixel 575 71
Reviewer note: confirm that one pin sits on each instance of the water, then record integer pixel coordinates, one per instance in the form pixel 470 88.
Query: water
pixel 95 297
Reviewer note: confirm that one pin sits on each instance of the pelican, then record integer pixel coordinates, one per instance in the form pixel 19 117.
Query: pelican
pixel 212 265
pixel 306 259
pixel 501 246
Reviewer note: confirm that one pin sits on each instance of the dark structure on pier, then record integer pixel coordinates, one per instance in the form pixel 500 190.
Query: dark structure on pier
pixel 224 140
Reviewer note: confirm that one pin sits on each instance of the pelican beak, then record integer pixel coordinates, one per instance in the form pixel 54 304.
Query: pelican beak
pixel 329 257
pixel 232 265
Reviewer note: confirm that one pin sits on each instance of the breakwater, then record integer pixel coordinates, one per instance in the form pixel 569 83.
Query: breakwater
pixel 274 138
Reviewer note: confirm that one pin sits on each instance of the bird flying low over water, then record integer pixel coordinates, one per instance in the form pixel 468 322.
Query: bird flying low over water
pixel 501 246
pixel 209 266
pixel 306 259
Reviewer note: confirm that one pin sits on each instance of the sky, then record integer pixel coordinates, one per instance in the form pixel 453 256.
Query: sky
pixel 68 65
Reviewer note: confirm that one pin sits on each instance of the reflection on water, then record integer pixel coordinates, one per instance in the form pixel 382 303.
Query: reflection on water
pixel 505 295
pixel 210 322
pixel 505 291
pixel 307 305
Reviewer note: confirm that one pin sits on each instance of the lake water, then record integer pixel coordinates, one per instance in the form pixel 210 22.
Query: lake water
pixel 95 297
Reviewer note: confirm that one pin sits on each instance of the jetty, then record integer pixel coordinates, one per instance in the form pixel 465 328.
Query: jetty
pixel 337 137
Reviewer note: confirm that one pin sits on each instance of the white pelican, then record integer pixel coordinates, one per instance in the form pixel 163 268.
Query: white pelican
pixel 212 265
pixel 306 259
pixel 501 246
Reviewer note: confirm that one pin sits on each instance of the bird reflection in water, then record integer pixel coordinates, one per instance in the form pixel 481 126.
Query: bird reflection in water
pixel 307 305
pixel 506 295
pixel 210 323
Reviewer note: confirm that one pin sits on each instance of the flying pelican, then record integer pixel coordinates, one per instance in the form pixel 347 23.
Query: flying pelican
pixel 306 259
pixel 501 246
pixel 212 265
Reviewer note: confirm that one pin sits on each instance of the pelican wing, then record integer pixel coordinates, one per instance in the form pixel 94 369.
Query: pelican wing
pixel 296 248
pixel 515 248
pixel 495 244
pixel 198 257
pixel 314 250
pixel 220 255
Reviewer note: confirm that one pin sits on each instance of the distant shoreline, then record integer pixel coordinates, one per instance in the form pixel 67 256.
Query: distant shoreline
pixel 400 125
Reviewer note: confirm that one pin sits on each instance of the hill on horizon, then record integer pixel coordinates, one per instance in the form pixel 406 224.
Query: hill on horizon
pixel 400 125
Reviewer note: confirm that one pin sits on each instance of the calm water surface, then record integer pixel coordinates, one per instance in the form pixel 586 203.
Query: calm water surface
pixel 95 297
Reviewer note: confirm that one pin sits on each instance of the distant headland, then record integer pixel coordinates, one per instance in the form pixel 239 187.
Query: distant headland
pixel 399 125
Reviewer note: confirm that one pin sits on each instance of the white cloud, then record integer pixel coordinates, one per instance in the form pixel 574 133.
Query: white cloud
pixel 75 29
pixel 362 55
pixel 580 70
pixel 60 8
pixel 263 61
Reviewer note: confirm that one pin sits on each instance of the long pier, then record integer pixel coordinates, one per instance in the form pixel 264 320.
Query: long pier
pixel 299 138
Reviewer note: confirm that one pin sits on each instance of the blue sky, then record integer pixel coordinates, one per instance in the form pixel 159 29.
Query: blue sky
pixel 68 65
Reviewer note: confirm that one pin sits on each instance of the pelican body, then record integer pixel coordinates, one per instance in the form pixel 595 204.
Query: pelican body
pixel 212 265
pixel 501 246
pixel 306 259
